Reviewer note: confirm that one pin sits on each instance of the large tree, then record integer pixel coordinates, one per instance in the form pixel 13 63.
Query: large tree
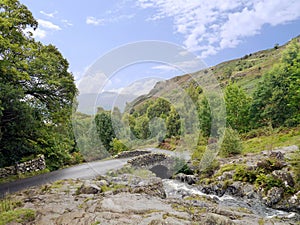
pixel 36 92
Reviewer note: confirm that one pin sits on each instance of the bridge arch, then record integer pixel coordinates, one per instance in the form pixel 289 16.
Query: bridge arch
pixel 161 171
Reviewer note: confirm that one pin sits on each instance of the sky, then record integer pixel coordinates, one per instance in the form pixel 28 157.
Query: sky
pixel 213 30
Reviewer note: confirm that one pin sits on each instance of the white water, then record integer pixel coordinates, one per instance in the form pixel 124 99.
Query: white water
pixel 176 189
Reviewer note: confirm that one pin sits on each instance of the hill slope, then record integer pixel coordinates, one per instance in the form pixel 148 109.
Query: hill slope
pixel 246 72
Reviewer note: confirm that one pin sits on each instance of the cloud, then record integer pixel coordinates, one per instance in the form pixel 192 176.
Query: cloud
pixel 67 23
pixel 210 26
pixel 107 20
pixel 137 88
pixel 94 21
pixel 51 15
pixel 48 25
pixel 92 83
pixel 165 68
pixel 38 33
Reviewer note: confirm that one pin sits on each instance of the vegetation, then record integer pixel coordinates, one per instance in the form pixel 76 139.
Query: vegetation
pixel 10 211
pixel 261 93
pixel 36 93
pixel 231 144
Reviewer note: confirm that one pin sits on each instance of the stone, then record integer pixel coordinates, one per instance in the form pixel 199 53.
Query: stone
pixel 274 195
pixel 128 154
pixel 277 155
pixel 285 177
pixel 89 189
pixel 189 179
pixel 102 182
pixel 33 165
pixel 215 219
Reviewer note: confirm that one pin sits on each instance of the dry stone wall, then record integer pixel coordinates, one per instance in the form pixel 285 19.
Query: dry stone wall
pixel 33 165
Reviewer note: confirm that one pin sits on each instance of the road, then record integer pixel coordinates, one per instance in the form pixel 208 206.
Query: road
pixel 83 171
pixel 86 170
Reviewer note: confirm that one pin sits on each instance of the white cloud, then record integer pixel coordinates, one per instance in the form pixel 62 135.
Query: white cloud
pixel 38 33
pixel 51 15
pixel 67 23
pixel 94 21
pixel 111 19
pixel 48 25
pixel 140 87
pixel 166 68
pixel 210 26
pixel 185 66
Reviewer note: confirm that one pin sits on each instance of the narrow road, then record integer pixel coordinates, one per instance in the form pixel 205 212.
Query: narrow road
pixel 83 171
pixel 86 170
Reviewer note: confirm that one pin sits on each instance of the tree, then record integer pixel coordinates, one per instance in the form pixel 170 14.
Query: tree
pixel 237 107
pixel 276 100
pixel 141 128
pixel 105 129
pixel 36 92
pixel 173 124
pixel 231 143
pixel 204 117
pixel 160 108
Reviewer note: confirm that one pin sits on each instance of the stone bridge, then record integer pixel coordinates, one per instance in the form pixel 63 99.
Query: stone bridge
pixel 162 165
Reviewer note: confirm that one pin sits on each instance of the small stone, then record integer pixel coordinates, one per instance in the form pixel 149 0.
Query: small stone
pixel 90 189
pixel 101 183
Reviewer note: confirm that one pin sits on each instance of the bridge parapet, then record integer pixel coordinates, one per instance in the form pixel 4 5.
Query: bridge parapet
pixel 161 164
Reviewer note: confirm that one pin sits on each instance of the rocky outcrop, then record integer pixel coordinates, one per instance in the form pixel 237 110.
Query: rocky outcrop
pixel 129 199
pixel 189 179
pixel 33 165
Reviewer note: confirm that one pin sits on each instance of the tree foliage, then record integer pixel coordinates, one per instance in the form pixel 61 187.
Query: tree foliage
pixel 36 92
pixel 237 107
pixel 231 144
pixel 276 100
pixel 105 129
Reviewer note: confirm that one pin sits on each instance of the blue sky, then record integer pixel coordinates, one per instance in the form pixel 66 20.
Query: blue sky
pixel 215 30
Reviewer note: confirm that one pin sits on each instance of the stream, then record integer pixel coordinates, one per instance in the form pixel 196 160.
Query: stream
pixel 177 189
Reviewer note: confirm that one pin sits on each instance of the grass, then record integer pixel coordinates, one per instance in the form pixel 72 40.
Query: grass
pixel 10 212
pixel 19 215
pixel 280 138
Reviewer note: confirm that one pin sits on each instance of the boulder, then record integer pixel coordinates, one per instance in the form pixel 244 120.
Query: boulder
pixel 89 189
pixel 274 195
pixel 285 177
pixel 215 219
pixel 189 179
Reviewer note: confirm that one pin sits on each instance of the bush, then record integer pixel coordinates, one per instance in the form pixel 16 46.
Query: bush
pixel 231 144
pixel 118 146
pixel 244 174
pixel 267 181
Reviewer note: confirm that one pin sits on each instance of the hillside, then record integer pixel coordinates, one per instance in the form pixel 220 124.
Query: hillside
pixel 246 71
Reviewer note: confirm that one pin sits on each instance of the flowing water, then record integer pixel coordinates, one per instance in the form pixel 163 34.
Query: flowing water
pixel 176 189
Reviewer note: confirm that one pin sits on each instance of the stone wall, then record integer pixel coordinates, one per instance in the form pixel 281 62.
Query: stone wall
pixel 33 165
pixel 129 154
pixel 147 160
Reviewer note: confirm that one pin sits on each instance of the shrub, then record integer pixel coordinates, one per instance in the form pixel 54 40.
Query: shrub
pixel 231 144
pixel 245 174
pixel 118 146
pixel 270 164
pixel 267 181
